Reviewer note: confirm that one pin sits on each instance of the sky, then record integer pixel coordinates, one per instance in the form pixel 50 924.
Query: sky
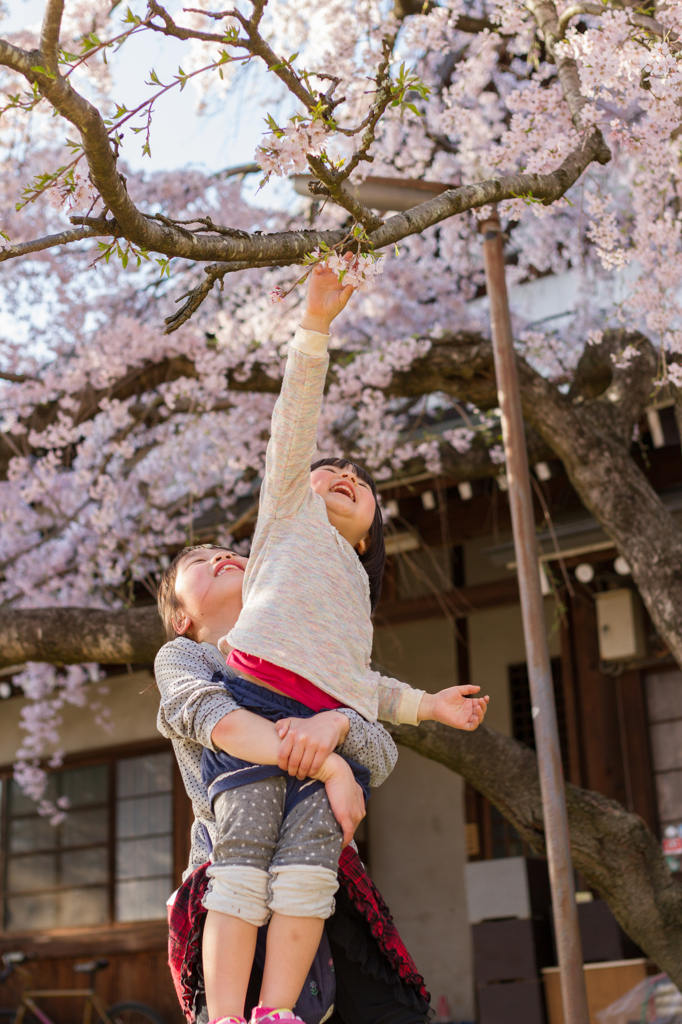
pixel 180 138
pixel 225 138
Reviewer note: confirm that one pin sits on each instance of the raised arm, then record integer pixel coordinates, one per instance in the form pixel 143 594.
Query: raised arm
pixel 295 417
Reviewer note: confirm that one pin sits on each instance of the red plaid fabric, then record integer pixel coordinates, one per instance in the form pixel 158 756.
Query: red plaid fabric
pixel 185 917
pixel 368 901
pixel 186 914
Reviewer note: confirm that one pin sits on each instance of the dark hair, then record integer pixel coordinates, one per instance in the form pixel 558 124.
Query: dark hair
pixel 374 558
pixel 166 599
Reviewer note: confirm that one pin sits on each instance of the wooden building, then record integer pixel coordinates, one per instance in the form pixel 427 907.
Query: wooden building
pixel 97 884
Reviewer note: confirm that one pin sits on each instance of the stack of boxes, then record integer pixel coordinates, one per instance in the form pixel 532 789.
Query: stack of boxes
pixel 510 911
pixel 509 903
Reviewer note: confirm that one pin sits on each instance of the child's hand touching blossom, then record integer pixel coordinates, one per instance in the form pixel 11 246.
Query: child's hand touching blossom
pixel 327 296
pixel 452 707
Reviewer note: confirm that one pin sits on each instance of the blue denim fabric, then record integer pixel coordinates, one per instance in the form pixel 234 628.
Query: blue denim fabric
pixel 221 771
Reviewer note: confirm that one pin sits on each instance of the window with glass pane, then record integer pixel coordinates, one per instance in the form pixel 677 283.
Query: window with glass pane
pixel 144 836
pixel 58 876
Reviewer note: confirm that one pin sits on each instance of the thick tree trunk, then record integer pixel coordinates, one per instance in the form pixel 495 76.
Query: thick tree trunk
pixel 613 849
pixel 614 489
pixel 70 636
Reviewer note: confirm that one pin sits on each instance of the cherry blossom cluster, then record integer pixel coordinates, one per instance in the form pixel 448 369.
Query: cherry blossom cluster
pixel 49 691
pixel 75 192
pixel 285 151
pixel 359 272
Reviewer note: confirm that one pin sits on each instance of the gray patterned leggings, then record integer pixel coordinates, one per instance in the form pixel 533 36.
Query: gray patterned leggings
pixel 264 863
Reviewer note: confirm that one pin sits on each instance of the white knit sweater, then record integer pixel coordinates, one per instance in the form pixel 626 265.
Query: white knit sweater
pixel 306 594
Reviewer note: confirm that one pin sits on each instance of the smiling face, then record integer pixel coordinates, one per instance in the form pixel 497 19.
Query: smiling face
pixel 208 589
pixel 349 499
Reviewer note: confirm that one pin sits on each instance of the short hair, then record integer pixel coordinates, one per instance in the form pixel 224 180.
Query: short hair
pixel 166 598
pixel 374 558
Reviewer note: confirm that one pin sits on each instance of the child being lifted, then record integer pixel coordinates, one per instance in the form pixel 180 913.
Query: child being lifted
pixel 301 645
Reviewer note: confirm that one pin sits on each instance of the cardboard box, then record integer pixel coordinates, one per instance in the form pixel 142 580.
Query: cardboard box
pixel 518 1002
pixel 507 887
pixel 604 982
pixel 511 950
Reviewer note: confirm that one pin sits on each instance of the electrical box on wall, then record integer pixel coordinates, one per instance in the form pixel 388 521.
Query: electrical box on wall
pixel 620 624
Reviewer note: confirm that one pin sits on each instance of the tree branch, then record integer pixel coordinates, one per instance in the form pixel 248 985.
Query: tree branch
pixel 11 250
pixel 260 48
pixel 49 34
pixel 289 247
pixel 19 60
pixel 170 28
pixel 544 12
pixel 613 849
pixel 71 636
pixel 215 272
pixel 572 12
pixel 649 24
pixel 16 378
pixel 281 249
pixel 330 184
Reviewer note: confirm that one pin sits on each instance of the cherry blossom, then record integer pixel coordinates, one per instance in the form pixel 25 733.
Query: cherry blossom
pixel 122 443
pixel 284 152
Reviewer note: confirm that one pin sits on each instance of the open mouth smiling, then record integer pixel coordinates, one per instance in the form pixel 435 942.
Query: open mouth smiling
pixel 225 566
pixel 343 488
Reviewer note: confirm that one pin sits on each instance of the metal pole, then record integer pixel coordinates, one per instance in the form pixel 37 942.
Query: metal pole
pixel 569 947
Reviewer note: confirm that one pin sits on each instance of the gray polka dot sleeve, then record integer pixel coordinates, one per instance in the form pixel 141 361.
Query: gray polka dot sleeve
pixel 370 745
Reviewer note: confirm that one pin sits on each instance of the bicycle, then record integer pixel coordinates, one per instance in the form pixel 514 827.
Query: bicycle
pixel 128 1012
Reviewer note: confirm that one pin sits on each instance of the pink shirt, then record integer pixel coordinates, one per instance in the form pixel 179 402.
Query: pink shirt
pixel 289 683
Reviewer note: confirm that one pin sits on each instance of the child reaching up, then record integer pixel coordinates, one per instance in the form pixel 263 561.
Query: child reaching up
pixel 301 645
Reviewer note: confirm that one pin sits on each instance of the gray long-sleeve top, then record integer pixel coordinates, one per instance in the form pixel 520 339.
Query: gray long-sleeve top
pixel 192 705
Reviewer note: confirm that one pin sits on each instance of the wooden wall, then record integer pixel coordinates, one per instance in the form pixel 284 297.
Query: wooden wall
pixel 138 969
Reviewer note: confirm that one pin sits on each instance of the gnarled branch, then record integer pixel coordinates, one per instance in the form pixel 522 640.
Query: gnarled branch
pixel 612 848
pixel 70 636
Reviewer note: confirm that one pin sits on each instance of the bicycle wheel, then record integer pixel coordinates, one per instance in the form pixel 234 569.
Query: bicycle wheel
pixel 134 1013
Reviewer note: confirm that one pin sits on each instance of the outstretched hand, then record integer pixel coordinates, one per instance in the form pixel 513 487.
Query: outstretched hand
pixel 327 296
pixel 454 708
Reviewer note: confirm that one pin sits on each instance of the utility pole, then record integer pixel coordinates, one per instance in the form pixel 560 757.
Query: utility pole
pixel 401 194
pixel 569 947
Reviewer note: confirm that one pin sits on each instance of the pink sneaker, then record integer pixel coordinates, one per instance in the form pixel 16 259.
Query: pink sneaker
pixel 264 1015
